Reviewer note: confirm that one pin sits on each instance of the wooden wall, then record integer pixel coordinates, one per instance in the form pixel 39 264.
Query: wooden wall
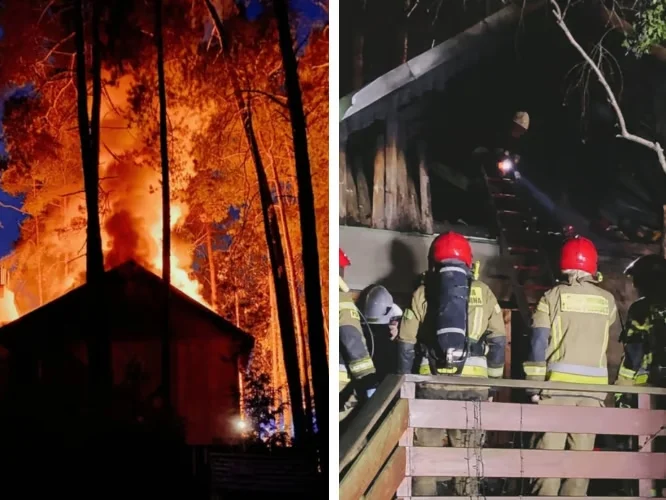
pixel 389 191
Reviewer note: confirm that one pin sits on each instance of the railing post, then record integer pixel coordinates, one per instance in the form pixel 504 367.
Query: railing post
pixel 404 492
pixel 645 445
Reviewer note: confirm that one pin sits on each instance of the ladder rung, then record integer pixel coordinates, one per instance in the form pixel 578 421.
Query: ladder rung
pixel 510 212
pixel 503 195
pixel 500 179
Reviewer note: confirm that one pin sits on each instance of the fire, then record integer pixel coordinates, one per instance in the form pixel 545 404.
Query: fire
pixel 131 207
pixel 179 275
pixel 8 310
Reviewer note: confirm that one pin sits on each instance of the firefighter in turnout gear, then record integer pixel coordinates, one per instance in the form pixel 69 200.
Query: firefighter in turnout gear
pixel 455 323
pixel 570 334
pixel 380 312
pixel 644 337
pixel 357 371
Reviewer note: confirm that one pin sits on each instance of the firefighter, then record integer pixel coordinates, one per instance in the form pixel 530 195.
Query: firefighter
pixel 505 155
pixel 355 362
pixel 570 335
pixel 645 332
pixel 458 325
pixel 380 312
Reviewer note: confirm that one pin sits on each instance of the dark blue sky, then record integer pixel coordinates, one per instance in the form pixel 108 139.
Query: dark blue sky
pixel 309 15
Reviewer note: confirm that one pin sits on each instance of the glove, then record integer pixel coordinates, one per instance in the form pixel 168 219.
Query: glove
pixel 393 329
pixel 535 398
pixel 369 393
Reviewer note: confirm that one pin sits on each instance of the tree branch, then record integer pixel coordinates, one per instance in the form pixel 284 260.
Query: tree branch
pixel 624 134
pixel 272 97
pixel 12 207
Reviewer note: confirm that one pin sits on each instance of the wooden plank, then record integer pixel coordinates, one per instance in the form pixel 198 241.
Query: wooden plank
pixel 502 439
pixel 408 390
pixel 378 215
pixel 540 463
pixel 438 414
pixel 531 384
pixel 645 444
pixel 424 189
pixel 390 477
pixel 370 460
pixel 407 438
pixel 364 203
pixel 391 207
pixel 354 439
pixel 405 488
pixel 506 316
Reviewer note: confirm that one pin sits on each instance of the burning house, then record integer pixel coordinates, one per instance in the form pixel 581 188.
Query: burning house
pixel 46 351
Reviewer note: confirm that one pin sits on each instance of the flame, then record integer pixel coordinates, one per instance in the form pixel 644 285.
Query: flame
pixel 179 276
pixel 131 217
pixel 8 309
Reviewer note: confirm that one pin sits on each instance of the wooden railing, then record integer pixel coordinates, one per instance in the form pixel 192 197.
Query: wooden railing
pixel 378 458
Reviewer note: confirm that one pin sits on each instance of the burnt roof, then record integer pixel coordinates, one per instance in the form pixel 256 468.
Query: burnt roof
pixel 127 281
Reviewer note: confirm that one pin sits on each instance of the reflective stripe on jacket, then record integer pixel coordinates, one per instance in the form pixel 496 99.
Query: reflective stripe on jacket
pixel 570 333
pixel 353 350
pixel 475 366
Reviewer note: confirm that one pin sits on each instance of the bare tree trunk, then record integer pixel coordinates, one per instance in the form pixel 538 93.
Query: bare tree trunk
pixel 378 186
pixel 40 278
pixel 274 337
pixel 211 267
pixel 166 210
pixel 238 323
pixel 99 348
pixel 312 279
pixel 300 330
pixel 66 254
pixel 273 240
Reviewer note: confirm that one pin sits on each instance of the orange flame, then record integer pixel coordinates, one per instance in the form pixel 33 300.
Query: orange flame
pixel 132 220
pixel 8 310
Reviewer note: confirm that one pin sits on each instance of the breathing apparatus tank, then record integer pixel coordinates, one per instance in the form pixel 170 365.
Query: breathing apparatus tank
pixel 452 256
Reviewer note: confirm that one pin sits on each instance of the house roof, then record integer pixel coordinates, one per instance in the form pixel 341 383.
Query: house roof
pixel 128 277
pixel 431 70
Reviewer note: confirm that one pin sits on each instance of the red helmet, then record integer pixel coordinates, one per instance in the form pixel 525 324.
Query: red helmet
pixel 344 260
pixel 451 246
pixel 580 254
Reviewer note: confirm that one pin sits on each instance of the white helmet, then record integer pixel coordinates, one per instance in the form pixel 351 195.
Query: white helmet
pixel 378 307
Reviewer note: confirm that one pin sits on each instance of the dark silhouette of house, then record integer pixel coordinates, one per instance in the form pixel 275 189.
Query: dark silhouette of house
pixel 48 356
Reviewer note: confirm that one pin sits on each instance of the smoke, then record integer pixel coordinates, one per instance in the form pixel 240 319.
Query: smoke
pixel 130 207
